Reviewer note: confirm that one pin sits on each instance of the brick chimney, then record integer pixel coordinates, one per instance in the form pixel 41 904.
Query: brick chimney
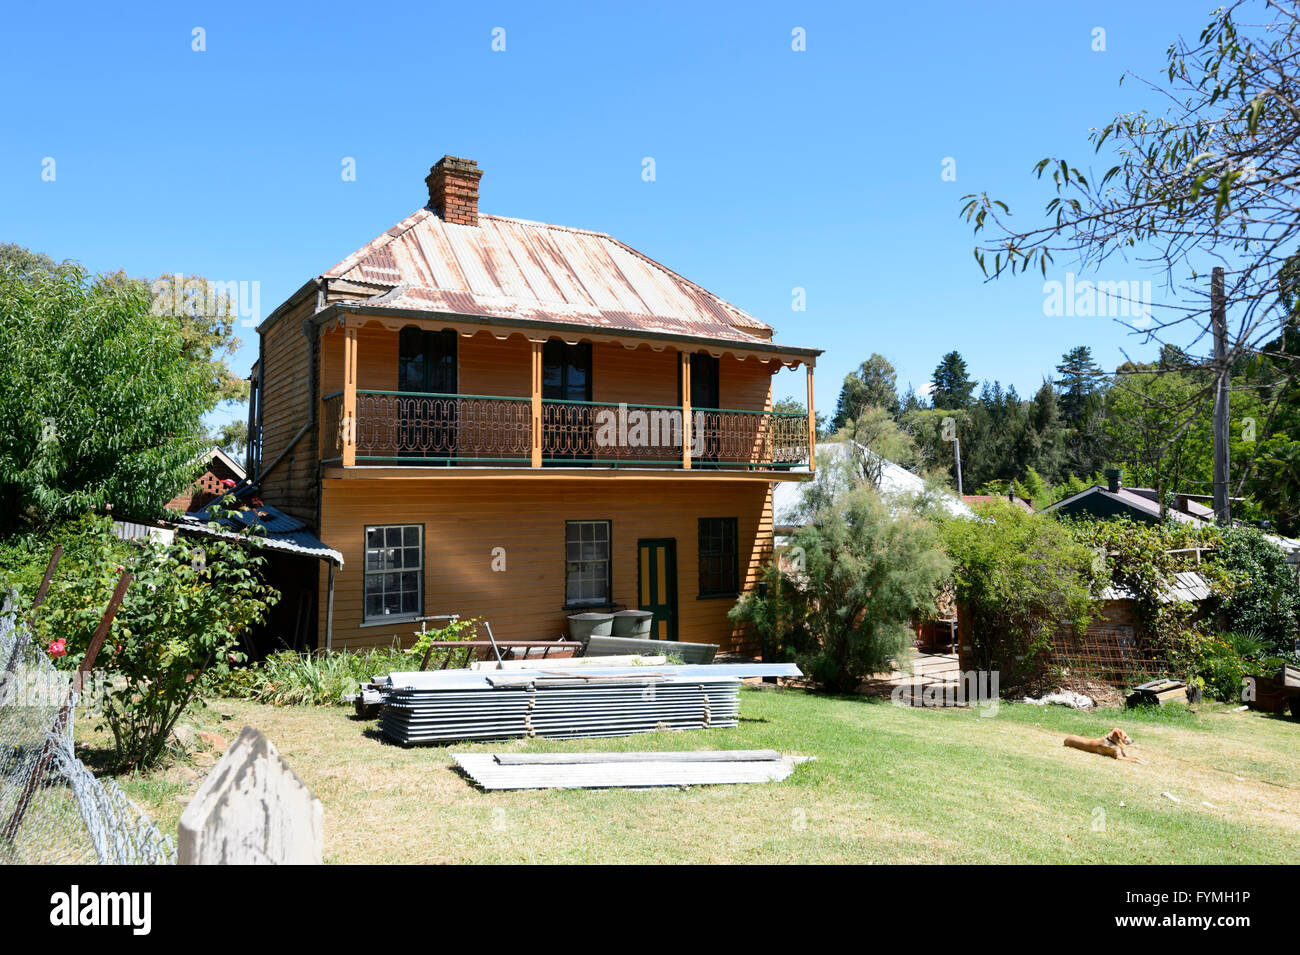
pixel 453 189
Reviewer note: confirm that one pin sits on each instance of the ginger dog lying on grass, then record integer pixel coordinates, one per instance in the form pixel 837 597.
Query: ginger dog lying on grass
pixel 1112 744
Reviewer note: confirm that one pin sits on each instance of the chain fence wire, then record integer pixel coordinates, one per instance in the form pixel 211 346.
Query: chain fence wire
pixel 52 808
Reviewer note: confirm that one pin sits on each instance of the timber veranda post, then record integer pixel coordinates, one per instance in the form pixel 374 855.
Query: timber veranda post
pixel 535 428
pixel 812 423
pixel 349 420
pixel 687 437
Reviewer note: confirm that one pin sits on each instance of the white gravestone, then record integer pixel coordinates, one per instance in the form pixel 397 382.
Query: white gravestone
pixel 252 810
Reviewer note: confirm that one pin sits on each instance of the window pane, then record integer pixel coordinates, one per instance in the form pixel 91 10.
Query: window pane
pixel 718 569
pixel 394 561
pixel 586 561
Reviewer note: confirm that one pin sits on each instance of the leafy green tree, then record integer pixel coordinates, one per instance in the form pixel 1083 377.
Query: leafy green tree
pixel 101 399
pixel 25 262
pixel 1023 579
pixel 877 432
pixel 206 318
pixel 951 387
pixel 873 385
pixel 1158 429
pixel 860 574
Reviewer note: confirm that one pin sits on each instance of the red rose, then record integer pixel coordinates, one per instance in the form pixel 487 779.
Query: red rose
pixel 227 483
pixel 58 648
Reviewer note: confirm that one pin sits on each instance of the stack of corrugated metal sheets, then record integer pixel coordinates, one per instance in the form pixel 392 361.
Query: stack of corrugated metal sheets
pixel 450 705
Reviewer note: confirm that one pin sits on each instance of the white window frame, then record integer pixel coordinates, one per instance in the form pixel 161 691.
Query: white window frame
pixel 382 572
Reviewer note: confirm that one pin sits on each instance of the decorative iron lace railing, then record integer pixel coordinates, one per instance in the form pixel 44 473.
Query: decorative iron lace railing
pixel 406 427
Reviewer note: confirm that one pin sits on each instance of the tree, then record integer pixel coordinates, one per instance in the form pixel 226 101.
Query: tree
pixel 206 317
pixel 204 313
pixel 873 385
pixel 877 432
pixel 952 389
pixel 1158 429
pixel 25 262
pixel 862 573
pixel 1079 379
pixel 1211 182
pixel 1023 579
pixel 1081 397
pixel 102 400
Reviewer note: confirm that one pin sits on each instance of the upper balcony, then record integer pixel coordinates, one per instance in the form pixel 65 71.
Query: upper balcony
pixel 420 396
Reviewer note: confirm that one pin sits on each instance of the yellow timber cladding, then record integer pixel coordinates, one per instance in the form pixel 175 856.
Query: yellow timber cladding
pixel 495 548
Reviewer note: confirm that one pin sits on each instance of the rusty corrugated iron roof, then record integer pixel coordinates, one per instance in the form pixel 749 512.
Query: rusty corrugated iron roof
pixel 517 269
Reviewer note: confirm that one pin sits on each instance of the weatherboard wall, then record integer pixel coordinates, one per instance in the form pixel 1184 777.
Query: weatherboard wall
pixel 466 518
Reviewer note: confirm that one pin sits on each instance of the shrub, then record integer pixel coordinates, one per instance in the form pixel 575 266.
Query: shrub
pixel 184 611
pixel 1143 559
pixel 859 575
pixel 1262 595
pixel 287 678
pixel 1023 578
pixel 1225 659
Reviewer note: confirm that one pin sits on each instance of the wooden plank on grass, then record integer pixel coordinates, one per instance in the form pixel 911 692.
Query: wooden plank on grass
pixel 484 769
pixel 699 756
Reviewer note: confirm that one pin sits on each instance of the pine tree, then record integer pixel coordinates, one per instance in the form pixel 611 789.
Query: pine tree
pixel 1080 377
pixel 952 389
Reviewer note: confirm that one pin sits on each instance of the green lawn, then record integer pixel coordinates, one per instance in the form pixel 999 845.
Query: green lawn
pixel 889 784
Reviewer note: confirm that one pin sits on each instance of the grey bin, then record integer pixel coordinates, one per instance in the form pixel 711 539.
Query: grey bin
pixel 632 623
pixel 583 626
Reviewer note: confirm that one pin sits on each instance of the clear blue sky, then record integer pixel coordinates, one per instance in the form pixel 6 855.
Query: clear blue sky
pixel 776 169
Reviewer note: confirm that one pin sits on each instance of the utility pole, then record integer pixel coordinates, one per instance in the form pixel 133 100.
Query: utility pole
pixel 1219 324
pixel 956 453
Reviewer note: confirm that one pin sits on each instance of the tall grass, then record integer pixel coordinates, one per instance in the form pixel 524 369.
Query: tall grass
pixel 317 679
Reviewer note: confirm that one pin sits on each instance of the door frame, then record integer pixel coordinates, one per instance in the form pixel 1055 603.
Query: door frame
pixel 670 568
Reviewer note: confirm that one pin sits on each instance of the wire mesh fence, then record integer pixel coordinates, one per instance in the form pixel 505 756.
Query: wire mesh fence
pixel 52 808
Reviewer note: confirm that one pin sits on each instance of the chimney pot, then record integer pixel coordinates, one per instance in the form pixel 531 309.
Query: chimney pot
pixel 453 189
pixel 1113 478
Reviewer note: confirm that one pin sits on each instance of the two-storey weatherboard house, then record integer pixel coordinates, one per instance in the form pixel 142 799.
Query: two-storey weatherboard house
pixel 516 421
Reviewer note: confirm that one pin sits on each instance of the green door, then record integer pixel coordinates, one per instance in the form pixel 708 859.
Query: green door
pixel 657 584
